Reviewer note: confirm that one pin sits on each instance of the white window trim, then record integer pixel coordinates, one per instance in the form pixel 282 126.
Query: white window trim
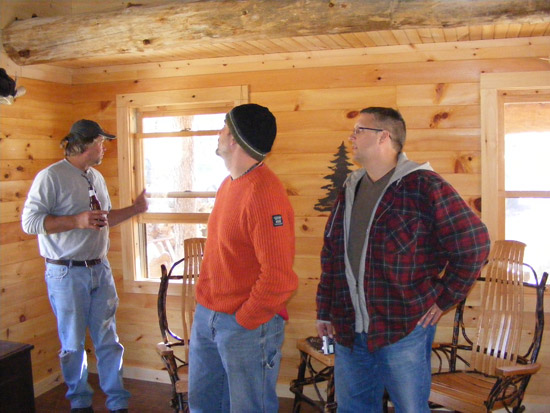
pixel 492 87
pixel 130 183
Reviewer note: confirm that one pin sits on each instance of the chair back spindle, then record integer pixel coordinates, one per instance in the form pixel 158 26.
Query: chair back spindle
pixel 174 350
pixel 193 252
pixel 500 321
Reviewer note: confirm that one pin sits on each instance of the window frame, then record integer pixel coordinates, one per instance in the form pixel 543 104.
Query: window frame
pixel 496 89
pixel 130 175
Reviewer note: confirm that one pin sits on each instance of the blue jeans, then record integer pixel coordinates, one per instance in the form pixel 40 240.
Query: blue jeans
pixel 232 369
pixel 83 298
pixel 403 368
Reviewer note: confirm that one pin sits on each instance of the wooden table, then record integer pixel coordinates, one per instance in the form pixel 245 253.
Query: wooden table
pixel 16 386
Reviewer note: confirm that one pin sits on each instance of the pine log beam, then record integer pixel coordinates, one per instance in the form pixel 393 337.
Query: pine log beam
pixel 141 30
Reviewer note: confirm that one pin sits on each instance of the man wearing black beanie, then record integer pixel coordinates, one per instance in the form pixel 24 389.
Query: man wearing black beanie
pixel 246 276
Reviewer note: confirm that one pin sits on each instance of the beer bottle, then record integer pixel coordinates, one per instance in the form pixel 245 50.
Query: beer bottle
pixel 94 202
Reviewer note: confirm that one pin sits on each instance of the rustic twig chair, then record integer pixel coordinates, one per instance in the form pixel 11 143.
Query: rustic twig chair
pixel 315 367
pixel 176 366
pixel 496 374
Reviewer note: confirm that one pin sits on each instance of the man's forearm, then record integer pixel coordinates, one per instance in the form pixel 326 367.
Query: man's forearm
pixel 54 224
pixel 117 216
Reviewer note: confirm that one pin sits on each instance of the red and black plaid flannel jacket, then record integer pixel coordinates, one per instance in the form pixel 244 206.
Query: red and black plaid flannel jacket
pixel 421 226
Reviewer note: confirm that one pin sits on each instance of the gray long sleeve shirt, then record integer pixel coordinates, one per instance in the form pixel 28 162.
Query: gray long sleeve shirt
pixel 61 189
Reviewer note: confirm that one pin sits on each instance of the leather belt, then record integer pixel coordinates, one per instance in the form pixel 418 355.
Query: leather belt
pixel 68 263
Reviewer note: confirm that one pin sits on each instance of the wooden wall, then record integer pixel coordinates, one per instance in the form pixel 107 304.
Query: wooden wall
pixel 315 98
pixel 30 131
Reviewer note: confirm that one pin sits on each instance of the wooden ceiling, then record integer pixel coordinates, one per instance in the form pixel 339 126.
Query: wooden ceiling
pixel 188 30
pixel 407 38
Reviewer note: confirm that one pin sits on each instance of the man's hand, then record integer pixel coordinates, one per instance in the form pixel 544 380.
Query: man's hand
pixel 324 329
pixel 431 317
pixel 116 216
pixel 140 204
pixel 94 220
pixel 91 220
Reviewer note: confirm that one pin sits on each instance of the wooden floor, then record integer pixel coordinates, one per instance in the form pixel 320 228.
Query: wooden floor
pixel 147 397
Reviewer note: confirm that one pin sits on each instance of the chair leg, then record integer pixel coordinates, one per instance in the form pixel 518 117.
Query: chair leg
pixel 183 405
pixel 299 382
pixel 330 406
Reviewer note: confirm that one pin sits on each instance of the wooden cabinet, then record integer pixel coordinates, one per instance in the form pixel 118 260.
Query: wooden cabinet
pixel 16 387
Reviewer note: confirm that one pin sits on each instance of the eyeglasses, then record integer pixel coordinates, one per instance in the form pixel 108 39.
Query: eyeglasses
pixel 357 130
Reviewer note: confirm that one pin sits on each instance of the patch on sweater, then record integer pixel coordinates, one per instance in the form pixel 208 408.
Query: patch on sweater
pixel 277 220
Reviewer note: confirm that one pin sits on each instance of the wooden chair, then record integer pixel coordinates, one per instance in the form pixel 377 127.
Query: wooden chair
pixel 315 367
pixel 176 365
pixel 496 374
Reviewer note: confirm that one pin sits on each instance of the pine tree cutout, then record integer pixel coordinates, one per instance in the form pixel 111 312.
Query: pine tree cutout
pixel 337 178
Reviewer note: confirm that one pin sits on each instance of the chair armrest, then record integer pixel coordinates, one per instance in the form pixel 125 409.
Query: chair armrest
pixel 518 370
pixel 436 345
pixel 164 350
pixel 447 345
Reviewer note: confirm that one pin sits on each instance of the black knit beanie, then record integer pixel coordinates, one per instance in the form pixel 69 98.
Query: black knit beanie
pixel 253 127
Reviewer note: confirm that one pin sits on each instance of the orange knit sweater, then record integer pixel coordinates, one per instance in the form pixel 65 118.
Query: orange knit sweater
pixel 247 265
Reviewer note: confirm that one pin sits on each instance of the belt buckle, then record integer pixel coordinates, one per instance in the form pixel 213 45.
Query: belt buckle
pixel 86 264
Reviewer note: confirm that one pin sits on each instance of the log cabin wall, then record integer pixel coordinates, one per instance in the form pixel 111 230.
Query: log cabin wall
pixel 315 97
pixel 315 102
pixel 30 132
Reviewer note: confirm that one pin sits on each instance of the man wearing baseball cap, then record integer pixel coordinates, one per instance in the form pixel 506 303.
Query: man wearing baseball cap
pixel 246 276
pixel 74 240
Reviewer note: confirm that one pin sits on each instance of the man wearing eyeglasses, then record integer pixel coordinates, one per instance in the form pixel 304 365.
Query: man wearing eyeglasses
pixel 74 240
pixel 394 228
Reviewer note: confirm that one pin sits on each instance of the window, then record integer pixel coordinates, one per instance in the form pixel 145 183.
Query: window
pixel 527 179
pixel 181 174
pixel 167 144
pixel 515 119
